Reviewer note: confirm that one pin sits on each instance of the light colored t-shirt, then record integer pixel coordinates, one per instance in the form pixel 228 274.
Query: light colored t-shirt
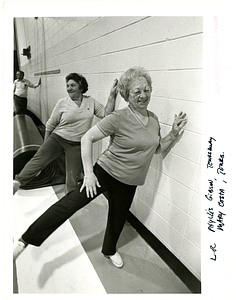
pixel 132 145
pixel 72 122
pixel 21 87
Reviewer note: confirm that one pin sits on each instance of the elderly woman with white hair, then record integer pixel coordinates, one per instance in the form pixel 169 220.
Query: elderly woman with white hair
pixel 135 137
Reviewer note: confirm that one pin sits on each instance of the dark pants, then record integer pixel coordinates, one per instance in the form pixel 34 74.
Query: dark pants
pixel 120 197
pixel 20 105
pixel 55 146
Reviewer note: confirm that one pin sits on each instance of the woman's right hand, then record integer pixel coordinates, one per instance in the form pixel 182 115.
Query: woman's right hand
pixel 90 183
pixel 47 133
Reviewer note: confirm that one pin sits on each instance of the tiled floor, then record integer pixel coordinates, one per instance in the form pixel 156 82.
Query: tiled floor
pixel 143 271
pixel 60 265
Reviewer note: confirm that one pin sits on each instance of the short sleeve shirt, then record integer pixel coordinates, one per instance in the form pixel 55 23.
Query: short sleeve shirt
pixel 21 87
pixel 132 145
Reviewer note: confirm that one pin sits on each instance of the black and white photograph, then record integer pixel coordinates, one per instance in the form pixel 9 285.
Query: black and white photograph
pixel 119 127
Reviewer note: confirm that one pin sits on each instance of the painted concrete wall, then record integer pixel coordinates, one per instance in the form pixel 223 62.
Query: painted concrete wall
pixel 102 48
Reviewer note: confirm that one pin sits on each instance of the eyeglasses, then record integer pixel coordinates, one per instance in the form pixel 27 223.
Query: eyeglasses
pixel 137 93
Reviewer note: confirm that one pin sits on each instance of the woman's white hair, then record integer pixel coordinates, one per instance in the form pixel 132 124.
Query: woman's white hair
pixel 128 77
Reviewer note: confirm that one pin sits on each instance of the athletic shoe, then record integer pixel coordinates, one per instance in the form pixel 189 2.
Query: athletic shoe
pixel 18 248
pixel 16 186
pixel 116 260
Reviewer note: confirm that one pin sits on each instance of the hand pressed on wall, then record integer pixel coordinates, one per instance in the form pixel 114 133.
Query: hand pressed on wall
pixel 179 122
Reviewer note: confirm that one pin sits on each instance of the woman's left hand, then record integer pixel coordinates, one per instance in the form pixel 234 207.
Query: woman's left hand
pixel 179 122
pixel 114 91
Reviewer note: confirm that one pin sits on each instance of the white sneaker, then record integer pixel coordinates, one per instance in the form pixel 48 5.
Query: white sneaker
pixel 16 186
pixel 116 260
pixel 18 248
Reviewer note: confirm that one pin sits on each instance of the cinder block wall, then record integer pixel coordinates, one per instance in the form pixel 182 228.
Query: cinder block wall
pixel 101 48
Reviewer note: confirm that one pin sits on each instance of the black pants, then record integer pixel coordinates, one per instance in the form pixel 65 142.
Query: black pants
pixel 120 197
pixel 20 105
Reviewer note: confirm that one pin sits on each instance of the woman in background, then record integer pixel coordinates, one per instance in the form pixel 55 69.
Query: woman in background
pixel 70 120
pixel 135 137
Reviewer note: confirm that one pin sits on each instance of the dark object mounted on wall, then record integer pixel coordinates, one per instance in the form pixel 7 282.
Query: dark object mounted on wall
pixel 26 52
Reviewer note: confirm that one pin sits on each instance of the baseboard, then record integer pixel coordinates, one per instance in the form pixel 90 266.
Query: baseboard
pixel 169 258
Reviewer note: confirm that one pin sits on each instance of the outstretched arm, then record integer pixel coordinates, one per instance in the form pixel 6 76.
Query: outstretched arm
pixel 110 106
pixel 39 82
pixel 32 85
pixel 179 122
pixel 90 180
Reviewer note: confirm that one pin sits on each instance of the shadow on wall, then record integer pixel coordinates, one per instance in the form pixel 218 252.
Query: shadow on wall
pixel 151 189
pixel 172 145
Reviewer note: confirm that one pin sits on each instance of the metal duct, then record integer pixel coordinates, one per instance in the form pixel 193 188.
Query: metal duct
pixel 27 140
